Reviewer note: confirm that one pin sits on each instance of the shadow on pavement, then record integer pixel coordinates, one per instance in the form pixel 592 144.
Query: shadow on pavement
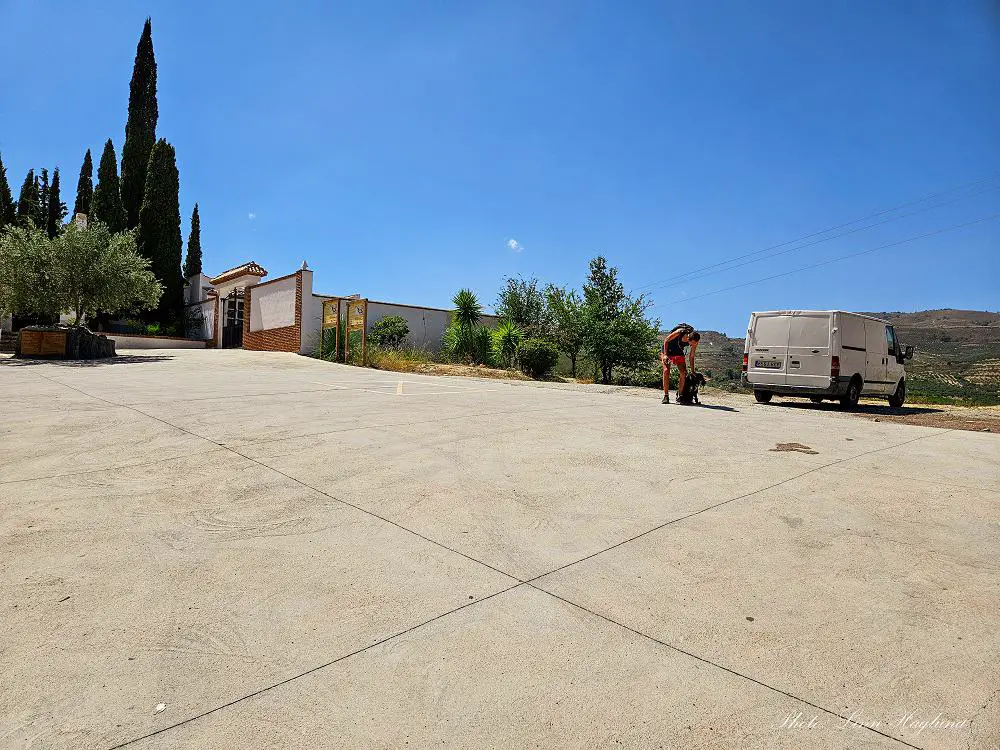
pixel 873 409
pixel 717 407
pixel 120 359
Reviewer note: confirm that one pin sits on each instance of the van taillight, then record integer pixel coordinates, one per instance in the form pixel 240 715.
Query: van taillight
pixel 746 361
pixel 835 367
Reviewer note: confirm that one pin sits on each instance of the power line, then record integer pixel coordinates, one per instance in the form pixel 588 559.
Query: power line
pixel 817 242
pixel 683 276
pixel 833 260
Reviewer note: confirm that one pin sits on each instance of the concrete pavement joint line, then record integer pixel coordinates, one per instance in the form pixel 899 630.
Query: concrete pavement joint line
pixel 731 500
pixel 520 581
pixel 113 468
pixel 309 671
pixel 307 485
pixel 711 663
pixel 376 515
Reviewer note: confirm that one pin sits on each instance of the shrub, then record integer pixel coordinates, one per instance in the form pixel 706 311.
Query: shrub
pixel 389 333
pixel 472 344
pixel 506 340
pixel 538 357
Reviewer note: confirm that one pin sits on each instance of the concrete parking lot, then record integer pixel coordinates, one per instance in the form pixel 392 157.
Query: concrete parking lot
pixel 218 549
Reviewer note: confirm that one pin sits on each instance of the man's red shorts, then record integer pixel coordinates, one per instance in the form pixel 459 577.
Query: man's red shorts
pixel 677 359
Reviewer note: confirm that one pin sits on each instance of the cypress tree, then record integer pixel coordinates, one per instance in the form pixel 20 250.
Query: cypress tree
pixel 140 129
pixel 160 229
pixel 43 198
pixel 106 205
pixel 56 208
pixel 8 210
pixel 192 263
pixel 28 213
pixel 84 186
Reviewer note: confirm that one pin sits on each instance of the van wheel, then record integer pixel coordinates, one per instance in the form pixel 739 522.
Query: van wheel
pixel 816 399
pixel 896 399
pixel 850 399
pixel 763 397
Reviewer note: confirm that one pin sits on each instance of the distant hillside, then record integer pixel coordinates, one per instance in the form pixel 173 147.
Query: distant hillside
pixel 956 353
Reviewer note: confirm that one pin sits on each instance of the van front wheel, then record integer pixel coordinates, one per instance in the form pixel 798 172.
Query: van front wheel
pixel 896 399
pixel 850 399
pixel 763 397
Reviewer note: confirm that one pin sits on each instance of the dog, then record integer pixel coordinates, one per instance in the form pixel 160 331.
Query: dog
pixel 692 383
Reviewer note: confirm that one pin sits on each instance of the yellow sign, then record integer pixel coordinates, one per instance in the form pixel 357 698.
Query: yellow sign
pixel 331 314
pixel 356 315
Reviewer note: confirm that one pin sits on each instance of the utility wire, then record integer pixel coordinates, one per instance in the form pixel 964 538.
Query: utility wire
pixel 834 260
pixel 876 214
pixel 680 280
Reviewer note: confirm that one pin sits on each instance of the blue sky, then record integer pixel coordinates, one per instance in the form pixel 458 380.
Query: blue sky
pixel 400 146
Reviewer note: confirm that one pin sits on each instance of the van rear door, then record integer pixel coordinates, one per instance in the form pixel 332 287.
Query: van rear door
pixel 809 349
pixel 767 347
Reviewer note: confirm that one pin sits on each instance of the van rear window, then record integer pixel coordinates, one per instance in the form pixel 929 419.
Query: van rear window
pixel 771 330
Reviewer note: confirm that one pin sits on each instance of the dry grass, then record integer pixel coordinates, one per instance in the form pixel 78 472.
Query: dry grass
pixel 470 371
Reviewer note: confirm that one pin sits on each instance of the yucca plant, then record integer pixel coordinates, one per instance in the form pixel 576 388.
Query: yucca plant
pixel 465 319
pixel 507 338
pixel 468 312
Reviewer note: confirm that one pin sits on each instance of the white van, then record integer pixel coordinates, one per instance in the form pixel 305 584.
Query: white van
pixel 824 354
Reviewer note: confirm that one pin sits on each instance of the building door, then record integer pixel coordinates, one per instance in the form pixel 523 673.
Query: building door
pixel 232 320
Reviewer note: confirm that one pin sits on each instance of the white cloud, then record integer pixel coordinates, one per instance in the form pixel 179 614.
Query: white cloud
pixel 515 246
pixel 251 216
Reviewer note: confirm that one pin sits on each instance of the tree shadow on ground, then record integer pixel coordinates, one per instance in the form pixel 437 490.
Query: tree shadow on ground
pixel 119 359
pixel 873 409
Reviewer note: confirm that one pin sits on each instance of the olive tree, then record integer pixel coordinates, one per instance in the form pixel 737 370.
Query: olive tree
pixel 80 271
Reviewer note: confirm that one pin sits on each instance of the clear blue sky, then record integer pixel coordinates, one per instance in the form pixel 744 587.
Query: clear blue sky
pixel 399 146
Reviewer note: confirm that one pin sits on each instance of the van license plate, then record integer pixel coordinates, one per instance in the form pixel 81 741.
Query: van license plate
pixel 767 364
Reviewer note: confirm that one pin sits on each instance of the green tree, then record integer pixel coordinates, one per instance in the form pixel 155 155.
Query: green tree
pixel 523 303
pixel 568 322
pixel 8 209
pixel 43 197
pixel 55 209
pixel 81 271
pixel 27 269
pixel 616 331
pixel 29 212
pixel 160 229
pixel 84 186
pixel 140 128
pixel 192 263
pixel 106 205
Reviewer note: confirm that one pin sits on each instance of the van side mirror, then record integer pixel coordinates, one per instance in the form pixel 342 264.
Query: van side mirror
pixel 908 353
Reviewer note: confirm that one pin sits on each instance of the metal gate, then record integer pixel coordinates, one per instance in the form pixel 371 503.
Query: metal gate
pixel 232 320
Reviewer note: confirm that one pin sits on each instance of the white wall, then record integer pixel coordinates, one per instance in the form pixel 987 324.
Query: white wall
pixel 426 324
pixel 123 342
pixel 195 290
pixel 273 305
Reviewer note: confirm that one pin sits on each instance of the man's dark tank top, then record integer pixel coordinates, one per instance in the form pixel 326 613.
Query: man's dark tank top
pixel 675 347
